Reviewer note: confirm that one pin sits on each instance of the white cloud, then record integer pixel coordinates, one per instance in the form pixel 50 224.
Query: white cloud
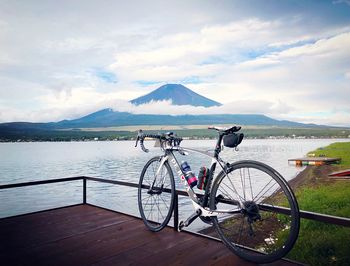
pixel 70 45
pixel 166 107
pixel 286 62
pixel 278 110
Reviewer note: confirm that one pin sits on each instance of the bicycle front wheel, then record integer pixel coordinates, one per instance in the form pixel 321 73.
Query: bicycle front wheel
pixel 264 224
pixel 156 194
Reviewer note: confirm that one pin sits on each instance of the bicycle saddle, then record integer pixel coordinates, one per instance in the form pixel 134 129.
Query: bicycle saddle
pixel 169 134
pixel 226 129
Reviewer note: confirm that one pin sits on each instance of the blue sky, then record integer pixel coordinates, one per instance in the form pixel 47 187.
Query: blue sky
pixel 286 59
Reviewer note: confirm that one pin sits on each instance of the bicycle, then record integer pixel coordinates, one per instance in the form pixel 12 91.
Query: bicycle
pixel 251 206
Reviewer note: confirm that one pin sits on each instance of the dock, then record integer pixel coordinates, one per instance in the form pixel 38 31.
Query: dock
pixel 85 234
pixel 314 161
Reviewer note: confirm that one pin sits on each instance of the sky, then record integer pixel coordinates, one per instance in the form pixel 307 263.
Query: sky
pixel 289 60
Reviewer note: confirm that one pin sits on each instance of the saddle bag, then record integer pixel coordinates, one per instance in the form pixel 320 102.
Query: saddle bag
pixel 232 140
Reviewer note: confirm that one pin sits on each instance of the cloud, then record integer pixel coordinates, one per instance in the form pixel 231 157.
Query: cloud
pixel 166 107
pixel 306 77
pixel 69 59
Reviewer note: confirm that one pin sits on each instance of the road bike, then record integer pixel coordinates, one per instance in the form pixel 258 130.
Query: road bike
pixel 250 205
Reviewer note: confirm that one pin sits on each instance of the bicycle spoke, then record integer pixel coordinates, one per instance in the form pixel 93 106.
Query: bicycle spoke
pixel 257 200
pixel 164 203
pixel 224 191
pixel 240 230
pixel 262 190
pixel 151 209
pixel 242 182
pixel 159 211
pixel 250 183
pixel 234 188
pixel 147 198
pixel 234 191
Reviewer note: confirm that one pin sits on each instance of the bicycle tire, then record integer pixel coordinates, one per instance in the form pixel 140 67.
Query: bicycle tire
pixel 156 208
pixel 255 233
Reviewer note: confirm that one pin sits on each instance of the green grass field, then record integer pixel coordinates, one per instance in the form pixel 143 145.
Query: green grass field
pixel 339 149
pixel 320 243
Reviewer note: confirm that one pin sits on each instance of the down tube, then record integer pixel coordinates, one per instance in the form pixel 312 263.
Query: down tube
pixel 181 175
pixel 212 168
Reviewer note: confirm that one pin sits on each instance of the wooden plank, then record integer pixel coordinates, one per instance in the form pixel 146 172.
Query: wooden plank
pixel 30 231
pixel 316 159
pixel 87 248
pixel 323 159
pixel 84 235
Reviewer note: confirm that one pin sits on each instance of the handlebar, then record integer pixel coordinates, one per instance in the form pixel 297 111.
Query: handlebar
pixel 226 130
pixel 169 137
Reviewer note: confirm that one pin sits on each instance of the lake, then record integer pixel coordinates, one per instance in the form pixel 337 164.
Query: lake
pixel 118 160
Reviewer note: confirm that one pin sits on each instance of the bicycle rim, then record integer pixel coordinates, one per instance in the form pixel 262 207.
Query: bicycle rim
pixel 156 205
pixel 257 233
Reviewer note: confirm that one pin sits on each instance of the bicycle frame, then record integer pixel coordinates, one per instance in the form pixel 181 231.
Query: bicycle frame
pixel 236 215
pixel 200 207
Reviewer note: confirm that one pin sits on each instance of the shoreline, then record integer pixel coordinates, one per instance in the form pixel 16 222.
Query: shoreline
pixel 188 132
pixel 184 138
pixel 312 176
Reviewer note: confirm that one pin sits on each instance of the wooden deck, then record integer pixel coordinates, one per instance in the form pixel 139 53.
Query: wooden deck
pixel 85 235
pixel 314 161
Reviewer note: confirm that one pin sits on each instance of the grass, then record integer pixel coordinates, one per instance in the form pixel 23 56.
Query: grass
pixel 338 149
pixel 320 243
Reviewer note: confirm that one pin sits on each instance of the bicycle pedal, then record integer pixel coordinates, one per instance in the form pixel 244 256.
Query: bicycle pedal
pixel 180 226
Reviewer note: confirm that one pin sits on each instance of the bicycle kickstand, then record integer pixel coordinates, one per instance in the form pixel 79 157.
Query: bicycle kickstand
pixel 189 220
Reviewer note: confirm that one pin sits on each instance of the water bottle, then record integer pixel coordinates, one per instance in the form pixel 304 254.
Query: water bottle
pixel 189 175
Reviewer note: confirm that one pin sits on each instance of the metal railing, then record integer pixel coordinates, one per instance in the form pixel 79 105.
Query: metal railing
pixel 343 221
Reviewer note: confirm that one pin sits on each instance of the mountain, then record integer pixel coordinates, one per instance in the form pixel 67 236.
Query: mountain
pixel 74 129
pixel 110 118
pixel 179 94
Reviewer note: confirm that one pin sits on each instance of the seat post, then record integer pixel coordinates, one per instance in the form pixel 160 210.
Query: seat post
pixel 218 145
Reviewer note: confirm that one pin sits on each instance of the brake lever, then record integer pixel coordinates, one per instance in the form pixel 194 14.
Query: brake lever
pixel 139 135
pixel 143 146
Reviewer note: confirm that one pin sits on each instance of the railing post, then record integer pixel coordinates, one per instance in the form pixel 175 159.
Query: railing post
pixel 176 212
pixel 84 190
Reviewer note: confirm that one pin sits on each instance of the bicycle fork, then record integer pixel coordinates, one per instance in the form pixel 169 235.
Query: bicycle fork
pixel 158 190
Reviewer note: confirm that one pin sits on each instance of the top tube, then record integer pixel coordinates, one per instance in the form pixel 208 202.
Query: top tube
pixel 169 141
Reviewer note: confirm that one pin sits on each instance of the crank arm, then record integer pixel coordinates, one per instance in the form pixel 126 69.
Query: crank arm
pixel 189 220
pixel 208 212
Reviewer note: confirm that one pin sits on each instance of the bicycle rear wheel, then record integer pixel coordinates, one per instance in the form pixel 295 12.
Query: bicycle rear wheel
pixel 266 224
pixel 156 204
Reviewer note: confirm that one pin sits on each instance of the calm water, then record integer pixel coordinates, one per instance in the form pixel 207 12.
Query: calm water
pixel 23 162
